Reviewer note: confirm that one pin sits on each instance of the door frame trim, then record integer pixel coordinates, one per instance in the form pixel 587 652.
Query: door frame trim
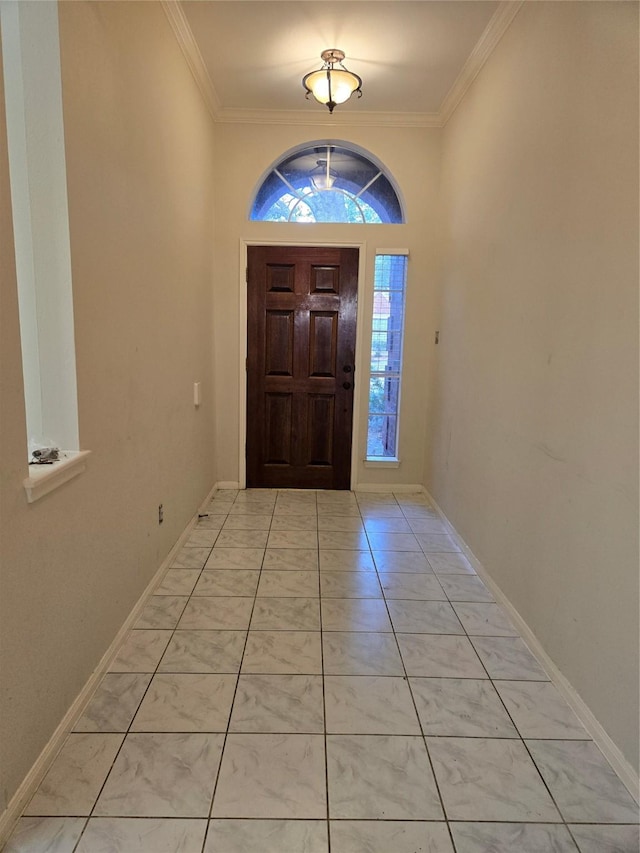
pixel 242 375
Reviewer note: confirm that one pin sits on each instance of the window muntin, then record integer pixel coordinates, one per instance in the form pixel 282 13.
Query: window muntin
pixel 327 183
pixel 389 288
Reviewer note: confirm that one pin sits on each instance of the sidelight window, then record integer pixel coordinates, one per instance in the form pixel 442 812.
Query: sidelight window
pixel 386 355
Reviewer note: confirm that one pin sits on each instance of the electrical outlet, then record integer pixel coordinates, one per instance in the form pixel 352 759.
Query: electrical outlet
pixel 437 339
pixel 160 513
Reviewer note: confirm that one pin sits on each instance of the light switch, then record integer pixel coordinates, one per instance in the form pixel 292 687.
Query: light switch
pixel 197 394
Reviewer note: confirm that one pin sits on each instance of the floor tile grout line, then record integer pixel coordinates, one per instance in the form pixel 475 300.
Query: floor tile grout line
pixel 235 693
pixel 357 733
pixel 516 728
pixel 424 739
pixel 415 708
pixel 406 677
pixel 215 784
pixel 539 772
pixel 153 674
pixel 324 695
pixel 521 738
pixel 128 730
pixel 589 822
pixel 79 839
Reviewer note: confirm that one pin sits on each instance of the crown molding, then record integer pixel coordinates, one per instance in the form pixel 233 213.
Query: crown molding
pixel 324 119
pixel 185 38
pixel 495 29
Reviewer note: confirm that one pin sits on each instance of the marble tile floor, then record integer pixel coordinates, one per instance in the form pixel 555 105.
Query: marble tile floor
pixel 323 672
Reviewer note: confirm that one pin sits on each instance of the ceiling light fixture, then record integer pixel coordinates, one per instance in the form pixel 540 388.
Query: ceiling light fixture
pixel 329 85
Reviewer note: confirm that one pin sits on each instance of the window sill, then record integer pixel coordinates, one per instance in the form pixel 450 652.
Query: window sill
pixel 382 463
pixel 43 479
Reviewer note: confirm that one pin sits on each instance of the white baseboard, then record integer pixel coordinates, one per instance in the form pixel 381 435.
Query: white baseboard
pixel 36 774
pixel 404 488
pixel 227 484
pixel 595 729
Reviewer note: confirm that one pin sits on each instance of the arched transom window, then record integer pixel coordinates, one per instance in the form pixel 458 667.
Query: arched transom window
pixel 327 182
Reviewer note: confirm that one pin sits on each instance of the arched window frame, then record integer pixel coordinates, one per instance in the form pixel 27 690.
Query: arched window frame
pixel 387 205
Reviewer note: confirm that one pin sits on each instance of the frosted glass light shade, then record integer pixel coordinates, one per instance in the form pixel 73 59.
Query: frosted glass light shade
pixel 343 85
pixel 330 85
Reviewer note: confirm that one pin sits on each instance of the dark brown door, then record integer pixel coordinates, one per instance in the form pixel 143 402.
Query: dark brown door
pixel 300 366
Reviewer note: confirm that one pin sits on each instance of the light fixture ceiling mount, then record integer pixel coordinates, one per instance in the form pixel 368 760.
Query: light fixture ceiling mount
pixel 332 85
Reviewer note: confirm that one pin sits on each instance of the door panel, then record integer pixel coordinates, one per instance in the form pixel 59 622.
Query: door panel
pixel 325 279
pixel 323 342
pixel 300 361
pixel 320 421
pixel 278 350
pixel 278 427
pixel 279 277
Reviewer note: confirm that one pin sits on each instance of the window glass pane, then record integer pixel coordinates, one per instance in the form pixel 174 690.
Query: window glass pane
pixel 386 355
pixel 386 351
pixel 376 394
pixel 381 438
pixel 384 394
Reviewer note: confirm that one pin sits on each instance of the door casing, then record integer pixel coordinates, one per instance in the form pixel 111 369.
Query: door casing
pixel 242 375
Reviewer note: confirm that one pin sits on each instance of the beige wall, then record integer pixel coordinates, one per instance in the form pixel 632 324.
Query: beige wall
pixel 139 165
pixel 244 153
pixel 532 448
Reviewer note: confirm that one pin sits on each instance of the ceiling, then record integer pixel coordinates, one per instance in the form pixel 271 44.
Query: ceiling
pixel 416 57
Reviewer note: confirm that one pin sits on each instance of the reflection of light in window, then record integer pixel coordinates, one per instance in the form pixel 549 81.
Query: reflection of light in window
pixel 386 355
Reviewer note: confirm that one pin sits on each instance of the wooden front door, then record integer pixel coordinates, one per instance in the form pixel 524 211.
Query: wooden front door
pixel 301 333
